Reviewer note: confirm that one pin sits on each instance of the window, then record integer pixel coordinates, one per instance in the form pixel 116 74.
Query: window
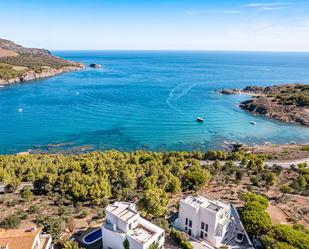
pixel 130 226
pixel 189 232
pixel 190 223
pixel 186 221
pixel 202 225
pixel 202 235
pixel 205 235
pixel 186 228
pixel 206 228
pixel 161 236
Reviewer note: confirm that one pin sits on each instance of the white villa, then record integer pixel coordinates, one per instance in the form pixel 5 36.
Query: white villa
pixel 212 223
pixel 124 222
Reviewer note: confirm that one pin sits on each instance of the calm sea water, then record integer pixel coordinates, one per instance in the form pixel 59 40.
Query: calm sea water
pixel 148 100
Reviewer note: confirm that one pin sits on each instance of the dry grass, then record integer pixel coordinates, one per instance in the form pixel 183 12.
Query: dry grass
pixel 5 53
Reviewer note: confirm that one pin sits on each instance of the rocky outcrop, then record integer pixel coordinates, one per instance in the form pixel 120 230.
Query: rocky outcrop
pixel 229 91
pixel 267 102
pixel 93 65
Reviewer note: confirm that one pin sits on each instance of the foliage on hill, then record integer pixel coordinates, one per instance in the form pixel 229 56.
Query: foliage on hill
pixel 35 62
pixel 257 221
pixel 300 185
pixel 255 218
pixel 98 176
pixel 297 94
pixel 181 239
pixel 7 72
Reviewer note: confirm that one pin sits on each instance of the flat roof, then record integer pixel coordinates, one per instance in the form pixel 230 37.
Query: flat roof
pixel 18 238
pixel 122 210
pixel 144 231
pixel 141 234
pixel 196 202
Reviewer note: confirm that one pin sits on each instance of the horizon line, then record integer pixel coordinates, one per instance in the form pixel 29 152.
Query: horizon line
pixel 181 50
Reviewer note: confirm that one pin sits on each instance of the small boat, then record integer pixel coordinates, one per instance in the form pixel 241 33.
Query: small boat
pixel 20 109
pixel 199 119
pixel 253 123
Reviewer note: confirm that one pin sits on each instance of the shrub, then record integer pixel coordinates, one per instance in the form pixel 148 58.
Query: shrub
pixel 52 225
pixel 154 202
pixel 34 209
pixel 286 189
pixel 256 221
pixel 249 197
pixel 181 239
pixel 26 194
pixel 12 221
pixel 83 214
pixel 286 234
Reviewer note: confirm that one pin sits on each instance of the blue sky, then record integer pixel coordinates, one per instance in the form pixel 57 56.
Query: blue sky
pixel 281 25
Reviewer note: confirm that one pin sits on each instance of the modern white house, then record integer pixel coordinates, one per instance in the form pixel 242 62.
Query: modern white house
pixel 123 222
pixel 211 222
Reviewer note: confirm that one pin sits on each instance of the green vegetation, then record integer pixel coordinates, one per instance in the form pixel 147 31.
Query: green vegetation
pixel 257 222
pixel 26 194
pixel 68 244
pixel 181 239
pixel 89 177
pixel 297 94
pixel 7 71
pixel 153 202
pixel 300 185
pixel 126 244
pixel 95 178
pixel 35 61
pixel 255 218
pixel 53 226
pixel 12 221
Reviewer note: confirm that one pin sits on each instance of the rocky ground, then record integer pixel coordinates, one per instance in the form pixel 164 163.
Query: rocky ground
pixel 287 103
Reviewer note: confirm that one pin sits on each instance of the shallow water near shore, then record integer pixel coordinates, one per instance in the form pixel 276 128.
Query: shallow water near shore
pixel 148 100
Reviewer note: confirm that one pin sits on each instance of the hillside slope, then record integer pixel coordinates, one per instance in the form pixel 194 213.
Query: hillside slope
pixel 19 64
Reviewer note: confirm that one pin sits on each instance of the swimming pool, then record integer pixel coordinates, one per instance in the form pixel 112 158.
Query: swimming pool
pixel 93 236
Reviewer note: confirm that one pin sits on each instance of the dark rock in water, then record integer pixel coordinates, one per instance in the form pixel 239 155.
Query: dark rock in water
pixel 93 65
pixel 227 91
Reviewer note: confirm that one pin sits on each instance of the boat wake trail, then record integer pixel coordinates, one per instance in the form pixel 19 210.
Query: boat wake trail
pixel 178 92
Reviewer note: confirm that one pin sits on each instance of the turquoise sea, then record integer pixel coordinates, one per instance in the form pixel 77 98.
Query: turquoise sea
pixel 148 100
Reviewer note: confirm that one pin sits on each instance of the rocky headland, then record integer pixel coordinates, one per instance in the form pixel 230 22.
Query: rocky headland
pixel 19 64
pixel 287 103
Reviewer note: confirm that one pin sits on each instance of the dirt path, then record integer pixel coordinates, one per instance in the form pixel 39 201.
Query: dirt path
pixel 277 215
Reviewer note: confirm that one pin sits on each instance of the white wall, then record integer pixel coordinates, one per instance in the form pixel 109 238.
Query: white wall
pixel 112 239
pixel 198 215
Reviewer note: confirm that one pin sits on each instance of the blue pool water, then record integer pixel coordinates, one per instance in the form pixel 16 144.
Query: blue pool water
pixel 147 100
pixel 93 236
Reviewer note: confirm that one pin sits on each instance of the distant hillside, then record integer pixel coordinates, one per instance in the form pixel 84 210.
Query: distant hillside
pixel 19 64
pixel 11 46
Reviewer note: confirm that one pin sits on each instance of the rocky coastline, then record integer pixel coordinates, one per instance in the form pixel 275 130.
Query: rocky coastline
pixel 276 102
pixel 46 72
pixel 19 64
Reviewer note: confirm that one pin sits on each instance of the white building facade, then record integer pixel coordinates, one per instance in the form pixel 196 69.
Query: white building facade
pixel 204 219
pixel 123 222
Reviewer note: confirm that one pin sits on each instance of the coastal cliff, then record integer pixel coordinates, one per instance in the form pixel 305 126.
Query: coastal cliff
pixel 19 64
pixel 287 103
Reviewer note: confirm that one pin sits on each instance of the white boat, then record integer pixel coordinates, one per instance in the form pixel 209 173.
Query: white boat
pixel 253 123
pixel 199 119
pixel 20 109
